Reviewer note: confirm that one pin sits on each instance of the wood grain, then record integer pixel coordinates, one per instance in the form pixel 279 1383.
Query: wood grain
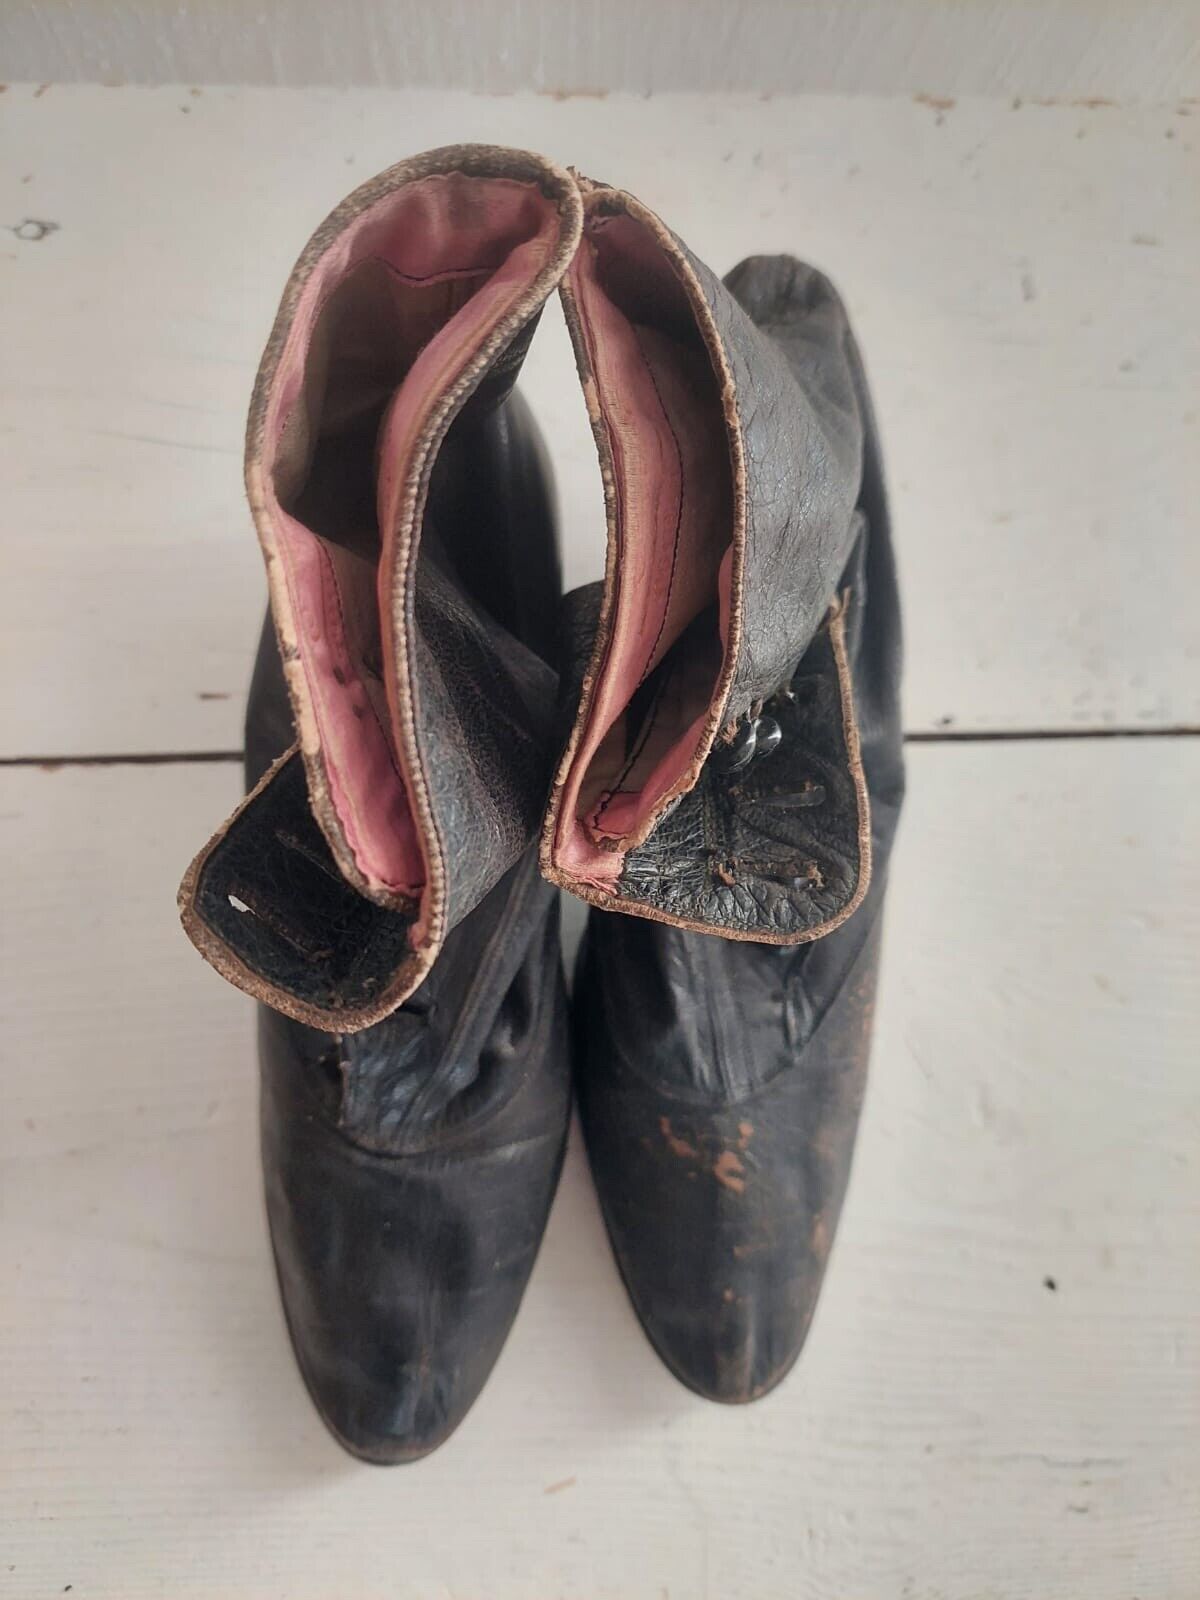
pixel 1059 47
pixel 1023 280
pixel 1001 1396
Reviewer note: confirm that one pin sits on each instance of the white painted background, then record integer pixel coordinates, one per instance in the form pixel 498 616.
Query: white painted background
pixel 1025 284
pixel 1146 50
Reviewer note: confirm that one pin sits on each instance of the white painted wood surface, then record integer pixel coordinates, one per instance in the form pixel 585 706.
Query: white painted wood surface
pixel 956 1428
pixel 1145 49
pixel 1024 283
pixel 1023 280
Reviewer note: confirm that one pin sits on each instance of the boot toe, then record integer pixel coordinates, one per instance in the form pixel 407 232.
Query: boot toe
pixel 402 1410
pixel 400 1287
pixel 401 1271
pixel 722 1252
pixel 730 1348
pixel 404 1415
pixel 722 1209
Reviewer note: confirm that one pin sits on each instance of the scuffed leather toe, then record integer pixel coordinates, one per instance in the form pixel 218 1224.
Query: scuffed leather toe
pixel 722 1212
pixel 401 1273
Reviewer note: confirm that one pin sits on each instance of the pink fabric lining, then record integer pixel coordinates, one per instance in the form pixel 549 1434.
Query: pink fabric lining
pixel 665 428
pixel 365 784
pixel 442 229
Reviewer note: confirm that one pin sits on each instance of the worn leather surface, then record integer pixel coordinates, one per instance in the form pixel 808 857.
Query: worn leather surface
pixel 469 699
pixel 409 1166
pixel 409 1170
pixel 272 892
pixel 308 941
pixel 785 334
pixel 773 851
pixel 485 698
pixel 754 854
pixel 720 1080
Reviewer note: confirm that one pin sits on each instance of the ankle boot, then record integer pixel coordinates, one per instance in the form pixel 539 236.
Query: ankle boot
pixel 730 787
pixel 378 890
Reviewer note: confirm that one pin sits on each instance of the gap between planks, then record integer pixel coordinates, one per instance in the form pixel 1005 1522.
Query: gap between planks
pixel 179 758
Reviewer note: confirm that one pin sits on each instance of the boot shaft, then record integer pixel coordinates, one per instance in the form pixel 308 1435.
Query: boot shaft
pixel 402 502
pixel 731 423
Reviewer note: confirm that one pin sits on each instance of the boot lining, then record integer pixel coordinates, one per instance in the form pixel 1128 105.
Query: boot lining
pixel 388 317
pixel 661 408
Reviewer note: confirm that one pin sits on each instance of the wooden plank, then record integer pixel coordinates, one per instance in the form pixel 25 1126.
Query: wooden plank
pixel 1105 47
pixel 1001 1396
pixel 1023 281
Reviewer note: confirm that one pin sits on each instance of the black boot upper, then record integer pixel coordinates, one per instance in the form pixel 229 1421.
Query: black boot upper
pixel 721 1078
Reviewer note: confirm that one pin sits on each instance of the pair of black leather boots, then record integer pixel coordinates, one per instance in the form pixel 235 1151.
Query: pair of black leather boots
pixel 726 799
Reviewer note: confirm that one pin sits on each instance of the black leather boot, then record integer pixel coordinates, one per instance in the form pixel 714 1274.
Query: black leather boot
pixel 731 785
pixel 378 889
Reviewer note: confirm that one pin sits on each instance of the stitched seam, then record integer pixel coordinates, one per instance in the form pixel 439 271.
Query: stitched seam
pixel 709 823
pixel 305 946
pixel 446 275
pixel 400 567
pixel 587 331
pixel 289 841
pixel 849 731
pixel 767 869
pixel 611 794
pixel 451 274
pixel 341 617
pixel 480 990
pixel 329 578
pixel 679 512
pixel 315 699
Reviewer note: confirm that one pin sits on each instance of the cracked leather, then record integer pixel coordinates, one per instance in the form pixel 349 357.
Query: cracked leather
pixel 720 1081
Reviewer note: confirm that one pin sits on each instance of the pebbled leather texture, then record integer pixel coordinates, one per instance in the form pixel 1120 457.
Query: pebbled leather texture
pixel 748 854
pixel 409 1166
pixel 775 852
pixel 720 1080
